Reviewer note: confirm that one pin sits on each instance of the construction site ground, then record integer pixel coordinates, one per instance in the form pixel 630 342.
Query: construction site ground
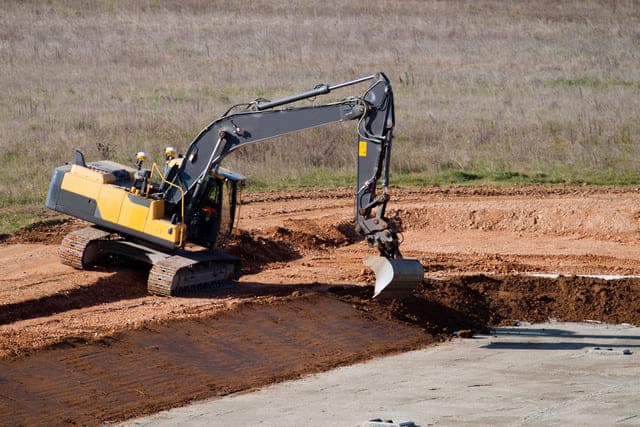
pixel 91 346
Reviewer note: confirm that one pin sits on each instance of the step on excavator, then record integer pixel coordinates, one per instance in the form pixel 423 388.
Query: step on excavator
pixel 178 219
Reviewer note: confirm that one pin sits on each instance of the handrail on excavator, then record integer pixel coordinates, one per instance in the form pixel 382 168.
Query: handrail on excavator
pixel 154 167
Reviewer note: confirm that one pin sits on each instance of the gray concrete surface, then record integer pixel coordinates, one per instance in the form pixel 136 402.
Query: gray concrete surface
pixel 533 375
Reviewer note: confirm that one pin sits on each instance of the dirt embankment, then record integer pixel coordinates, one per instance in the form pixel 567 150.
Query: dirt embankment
pixel 90 346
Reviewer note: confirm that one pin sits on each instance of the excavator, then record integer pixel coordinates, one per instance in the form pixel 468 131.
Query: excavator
pixel 178 219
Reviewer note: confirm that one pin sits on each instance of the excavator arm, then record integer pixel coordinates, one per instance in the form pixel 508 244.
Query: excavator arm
pixel 260 121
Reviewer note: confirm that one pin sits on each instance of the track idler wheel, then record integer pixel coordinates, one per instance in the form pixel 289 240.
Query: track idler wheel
pixel 83 248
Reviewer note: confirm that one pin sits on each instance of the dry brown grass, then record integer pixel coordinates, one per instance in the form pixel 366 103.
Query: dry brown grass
pixel 533 87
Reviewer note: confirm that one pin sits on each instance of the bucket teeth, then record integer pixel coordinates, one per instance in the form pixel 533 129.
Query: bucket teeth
pixel 395 278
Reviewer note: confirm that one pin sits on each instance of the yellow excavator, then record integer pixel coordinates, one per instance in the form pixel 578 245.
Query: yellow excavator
pixel 176 219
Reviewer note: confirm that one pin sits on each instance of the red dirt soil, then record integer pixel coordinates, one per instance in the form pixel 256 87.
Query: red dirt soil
pixel 91 346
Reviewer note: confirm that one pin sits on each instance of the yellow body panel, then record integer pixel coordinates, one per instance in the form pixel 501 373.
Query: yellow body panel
pixel 110 202
pixel 118 206
pixel 156 210
pixel 92 175
pixel 133 215
pixel 159 228
pixel 81 184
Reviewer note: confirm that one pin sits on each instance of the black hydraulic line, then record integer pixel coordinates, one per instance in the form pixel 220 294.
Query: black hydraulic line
pixel 352 82
pixel 318 90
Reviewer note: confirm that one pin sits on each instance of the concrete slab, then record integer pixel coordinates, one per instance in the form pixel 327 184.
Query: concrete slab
pixel 552 374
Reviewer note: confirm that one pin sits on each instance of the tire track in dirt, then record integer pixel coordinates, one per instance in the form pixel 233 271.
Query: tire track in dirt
pixel 143 371
pixel 117 287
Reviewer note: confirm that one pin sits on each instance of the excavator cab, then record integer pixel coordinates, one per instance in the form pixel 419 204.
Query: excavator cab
pixel 212 225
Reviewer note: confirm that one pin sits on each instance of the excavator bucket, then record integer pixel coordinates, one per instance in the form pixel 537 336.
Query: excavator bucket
pixel 395 278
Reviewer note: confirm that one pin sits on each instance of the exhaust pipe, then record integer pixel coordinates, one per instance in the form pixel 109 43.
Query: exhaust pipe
pixel 395 278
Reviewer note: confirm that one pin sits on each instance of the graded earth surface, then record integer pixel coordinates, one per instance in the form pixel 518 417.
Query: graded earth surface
pixel 88 347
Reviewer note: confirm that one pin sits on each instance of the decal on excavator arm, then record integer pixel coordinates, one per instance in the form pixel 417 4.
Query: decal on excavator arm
pixel 362 149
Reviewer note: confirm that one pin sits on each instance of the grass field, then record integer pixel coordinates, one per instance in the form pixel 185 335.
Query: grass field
pixel 518 91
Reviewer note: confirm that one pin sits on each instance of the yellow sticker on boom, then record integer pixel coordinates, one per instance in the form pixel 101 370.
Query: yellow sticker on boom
pixel 362 149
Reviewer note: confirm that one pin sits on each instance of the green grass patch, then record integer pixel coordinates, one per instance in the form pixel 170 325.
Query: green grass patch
pixel 607 177
pixel 330 179
pixel 319 178
pixel 17 217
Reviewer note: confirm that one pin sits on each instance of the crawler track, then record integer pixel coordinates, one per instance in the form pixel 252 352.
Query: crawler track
pixel 180 273
pixel 80 249
pixel 170 275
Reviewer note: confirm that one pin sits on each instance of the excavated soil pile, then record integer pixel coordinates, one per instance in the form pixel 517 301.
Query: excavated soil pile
pixel 288 242
pixel 313 235
pixel 565 299
pixel 257 251
pixel 50 232
pixel 477 303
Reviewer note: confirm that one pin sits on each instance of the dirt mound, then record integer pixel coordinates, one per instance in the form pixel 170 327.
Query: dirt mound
pixel 50 232
pixel 553 218
pixel 313 235
pixel 566 299
pixel 479 302
pixel 288 242
pixel 256 251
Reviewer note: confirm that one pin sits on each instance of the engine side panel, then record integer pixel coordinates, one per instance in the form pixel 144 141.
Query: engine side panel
pixel 87 194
